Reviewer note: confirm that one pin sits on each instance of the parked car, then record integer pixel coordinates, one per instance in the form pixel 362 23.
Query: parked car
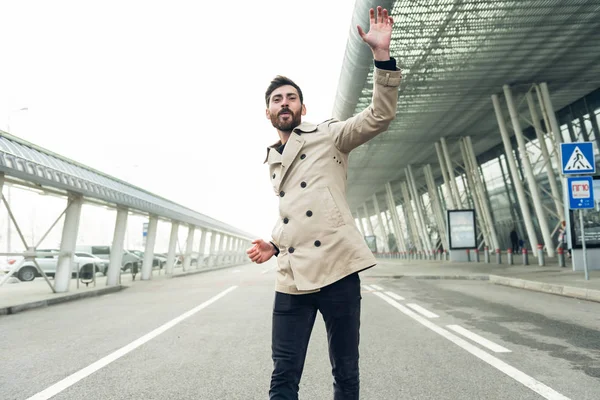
pixel 159 260
pixel 49 262
pixel 128 262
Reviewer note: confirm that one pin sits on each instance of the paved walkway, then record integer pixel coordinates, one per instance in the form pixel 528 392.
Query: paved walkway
pixel 550 278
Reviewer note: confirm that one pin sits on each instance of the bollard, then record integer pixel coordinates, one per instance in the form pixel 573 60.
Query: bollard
pixel 561 257
pixel 509 256
pixel 468 255
pixel 541 260
pixel 476 255
pixel 525 257
pixel 487 255
pixel 445 255
pixel 440 254
pixel 498 257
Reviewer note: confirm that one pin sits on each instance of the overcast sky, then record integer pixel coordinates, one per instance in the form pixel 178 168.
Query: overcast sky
pixel 169 95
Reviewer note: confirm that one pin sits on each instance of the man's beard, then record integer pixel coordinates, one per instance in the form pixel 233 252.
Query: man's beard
pixel 286 126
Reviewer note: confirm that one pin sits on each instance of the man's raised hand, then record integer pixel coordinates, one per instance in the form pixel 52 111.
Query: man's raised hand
pixel 380 34
pixel 261 251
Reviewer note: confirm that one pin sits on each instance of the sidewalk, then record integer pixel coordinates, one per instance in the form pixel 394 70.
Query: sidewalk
pixel 548 279
pixel 21 296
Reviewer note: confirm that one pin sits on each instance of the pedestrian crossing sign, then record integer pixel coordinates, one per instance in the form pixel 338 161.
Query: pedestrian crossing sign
pixel 577 158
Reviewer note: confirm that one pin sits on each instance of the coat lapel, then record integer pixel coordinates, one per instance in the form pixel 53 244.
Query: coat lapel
pixel 292 148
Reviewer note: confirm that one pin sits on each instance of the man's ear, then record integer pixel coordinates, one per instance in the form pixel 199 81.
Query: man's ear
pixel 303 109
pixel 268 114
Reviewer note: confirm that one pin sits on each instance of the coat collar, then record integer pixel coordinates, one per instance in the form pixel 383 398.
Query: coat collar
pixel 304 127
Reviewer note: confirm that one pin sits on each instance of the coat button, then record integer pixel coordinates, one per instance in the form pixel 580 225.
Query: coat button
pixel 286 220
pixel 303 156
pixel 303 184
pixel 317 243
pixel 273 176
pixel 309 213
pixel 291 249
pixel 281 194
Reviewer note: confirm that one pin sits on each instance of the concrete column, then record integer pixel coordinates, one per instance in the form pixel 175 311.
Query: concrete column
pixel 449 198
pixel 203 233
pixel 457 200
pixel 512 200
pixel 116 249
pixel 533 185
pixel 556 194
pixel 410 217
pixel 420 213
pixel 554 128
pixel 359 223
pixel 149 251
pixel 517 184
pixel 229 251
pixel 368 218
pixel 381 226
pixel 435 204
pixel 479 215
pixel 222 241
pixel 395 219
pixel 189 245
pixel 212 257
pixel 172 247
pixel 481 192
pixel 68 242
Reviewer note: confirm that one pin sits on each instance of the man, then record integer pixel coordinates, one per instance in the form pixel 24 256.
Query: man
pixel 514 240
pixel 318 247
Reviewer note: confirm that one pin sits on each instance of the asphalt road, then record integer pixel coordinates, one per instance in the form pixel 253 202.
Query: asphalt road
pixel 207 336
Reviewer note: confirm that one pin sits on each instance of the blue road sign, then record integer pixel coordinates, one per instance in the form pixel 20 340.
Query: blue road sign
pixel 577 158
pixel 581 192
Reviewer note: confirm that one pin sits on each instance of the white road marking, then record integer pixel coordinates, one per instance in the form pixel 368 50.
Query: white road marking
pixel 533 384
pixel 377 287
pixel 265 271
pixel 103 362
pixel 496 348
pixel 424 312
pixel 367 288
pixel 394 296
pixel 235 271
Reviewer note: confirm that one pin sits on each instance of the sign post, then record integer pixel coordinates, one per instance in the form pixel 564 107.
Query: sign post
pixel 578 159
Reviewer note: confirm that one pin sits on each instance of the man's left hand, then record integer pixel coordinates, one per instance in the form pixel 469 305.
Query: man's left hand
pixel 380 34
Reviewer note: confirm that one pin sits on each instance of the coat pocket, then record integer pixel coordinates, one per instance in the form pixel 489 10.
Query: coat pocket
pixel 330 208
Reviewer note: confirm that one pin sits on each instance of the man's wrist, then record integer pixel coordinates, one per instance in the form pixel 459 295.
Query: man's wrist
pixel 275 249
pixel 381 54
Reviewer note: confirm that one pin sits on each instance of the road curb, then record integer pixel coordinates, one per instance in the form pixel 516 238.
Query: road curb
pixel 435 277
pixel 58 300
pixel 200 271
pixel 561 290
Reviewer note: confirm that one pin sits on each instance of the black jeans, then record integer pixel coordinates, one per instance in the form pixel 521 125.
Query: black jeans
pixel 293 320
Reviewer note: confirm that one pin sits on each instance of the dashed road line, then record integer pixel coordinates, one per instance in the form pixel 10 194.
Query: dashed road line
pixel 521 377
pixel 496 348
pixel 423 311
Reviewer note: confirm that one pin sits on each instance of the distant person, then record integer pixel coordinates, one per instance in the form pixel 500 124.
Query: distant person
pixel 514 240
pixel 319 249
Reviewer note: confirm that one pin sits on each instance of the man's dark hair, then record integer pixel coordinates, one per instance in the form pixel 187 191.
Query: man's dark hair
pixel 277 83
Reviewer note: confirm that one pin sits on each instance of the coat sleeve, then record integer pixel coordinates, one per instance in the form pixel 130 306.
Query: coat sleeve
pixel 373 120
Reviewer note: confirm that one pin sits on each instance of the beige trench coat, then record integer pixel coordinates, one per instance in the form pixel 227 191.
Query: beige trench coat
pixel 317 237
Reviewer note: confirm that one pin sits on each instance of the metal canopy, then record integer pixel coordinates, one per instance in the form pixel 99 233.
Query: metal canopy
pixel 454 55
pixel 31 163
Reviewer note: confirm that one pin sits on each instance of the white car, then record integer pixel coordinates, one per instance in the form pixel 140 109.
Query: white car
pixel 82 262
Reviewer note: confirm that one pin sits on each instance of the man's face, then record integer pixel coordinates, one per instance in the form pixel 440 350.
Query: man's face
pixel 285 110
